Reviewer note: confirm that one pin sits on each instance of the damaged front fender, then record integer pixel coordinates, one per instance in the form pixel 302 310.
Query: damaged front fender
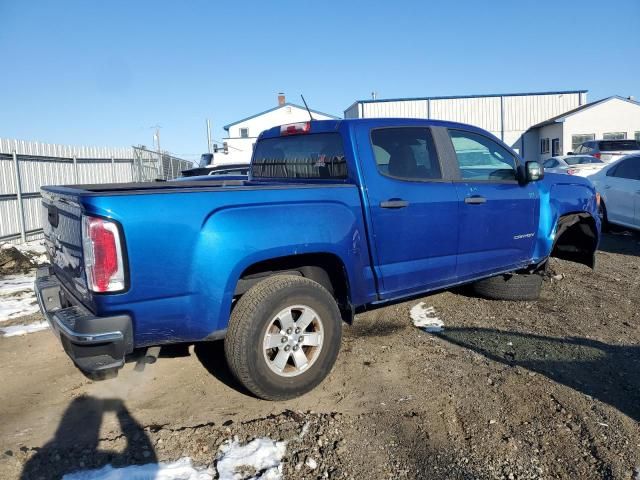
pixel 569 227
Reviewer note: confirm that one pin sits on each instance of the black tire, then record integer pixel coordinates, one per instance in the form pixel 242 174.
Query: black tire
pixel 253 315
pixel 604 222
pixel 517 287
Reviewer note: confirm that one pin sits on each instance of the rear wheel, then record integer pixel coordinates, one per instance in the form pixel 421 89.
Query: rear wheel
pixel 283 337
pixel 516 286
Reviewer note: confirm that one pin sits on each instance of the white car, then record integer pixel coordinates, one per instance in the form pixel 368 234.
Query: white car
pixel 581 165
pixel 619 186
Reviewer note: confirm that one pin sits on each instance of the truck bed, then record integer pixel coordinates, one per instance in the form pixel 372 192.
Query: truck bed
pixel 107 189
pixel 173 233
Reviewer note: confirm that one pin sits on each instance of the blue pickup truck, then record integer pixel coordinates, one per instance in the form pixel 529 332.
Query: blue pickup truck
pixel 336 216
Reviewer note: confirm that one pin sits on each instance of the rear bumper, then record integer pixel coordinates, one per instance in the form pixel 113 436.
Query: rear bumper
pixel 95 344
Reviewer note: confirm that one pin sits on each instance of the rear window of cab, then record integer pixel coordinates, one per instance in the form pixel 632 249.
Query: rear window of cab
pixel 306 156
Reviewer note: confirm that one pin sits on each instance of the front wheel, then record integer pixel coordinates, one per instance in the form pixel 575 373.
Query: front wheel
pixel 283 337
pixel 515 287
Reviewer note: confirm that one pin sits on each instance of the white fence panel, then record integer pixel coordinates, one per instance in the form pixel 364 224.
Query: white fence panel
pixel 42 164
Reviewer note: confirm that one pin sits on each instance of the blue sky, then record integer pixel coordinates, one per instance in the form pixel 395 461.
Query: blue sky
pixel 103 73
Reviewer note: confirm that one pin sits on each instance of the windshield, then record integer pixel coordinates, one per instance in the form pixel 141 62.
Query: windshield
pixel 310 156
pixel 619 145
pixel 577 160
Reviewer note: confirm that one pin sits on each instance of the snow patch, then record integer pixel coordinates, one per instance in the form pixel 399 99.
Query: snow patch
pixel 17 298
pixel 15 330
pixel 36 251
pixel 425 318
pixel 260 459
pixel 263 455
pixel 179 470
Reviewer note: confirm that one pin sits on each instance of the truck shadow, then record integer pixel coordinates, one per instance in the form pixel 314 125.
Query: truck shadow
pixel 609 373
pixel 76 443
pixel 621 242
pixel 211 356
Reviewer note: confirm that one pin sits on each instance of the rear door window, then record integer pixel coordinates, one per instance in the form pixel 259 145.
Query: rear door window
pixel 308 156
pixel 406 153
pixel 481 158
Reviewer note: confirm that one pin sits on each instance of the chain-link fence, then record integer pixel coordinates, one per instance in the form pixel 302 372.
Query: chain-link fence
pixel 27 166
pixel 150 165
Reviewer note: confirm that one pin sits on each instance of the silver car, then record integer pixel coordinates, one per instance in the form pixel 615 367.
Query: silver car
pixel 581 165
pixel 607 150
pixel 619 187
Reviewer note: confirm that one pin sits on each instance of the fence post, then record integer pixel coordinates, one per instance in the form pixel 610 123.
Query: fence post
pixel 113 170
pixel 23 230
pixel 160 165
pixel 75 169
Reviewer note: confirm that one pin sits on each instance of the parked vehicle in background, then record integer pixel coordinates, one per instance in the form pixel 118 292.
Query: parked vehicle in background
pixel 337 215
pixel 581 165
pixel 223 177
pixel 208 169
pixel 618 184
pixel 235 169
pixel 607 150
pixel 226 173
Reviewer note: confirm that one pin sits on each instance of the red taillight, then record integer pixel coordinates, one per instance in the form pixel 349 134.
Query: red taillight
pixel 295 128
pixel 572 171
pixel 597 155
pixel 102 255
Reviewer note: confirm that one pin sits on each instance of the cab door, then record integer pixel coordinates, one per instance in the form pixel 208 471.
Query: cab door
pixel 498 215
pixel 413 209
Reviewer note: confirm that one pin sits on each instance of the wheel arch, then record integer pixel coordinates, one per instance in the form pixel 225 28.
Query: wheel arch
pixel 325 268
pixel 576 239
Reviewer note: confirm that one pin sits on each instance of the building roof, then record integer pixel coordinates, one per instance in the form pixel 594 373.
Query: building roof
pixel 562 116
pixel 288 104
pixel 322 126
pixel 453 97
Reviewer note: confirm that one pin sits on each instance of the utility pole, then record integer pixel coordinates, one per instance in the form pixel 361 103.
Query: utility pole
pixel 208 136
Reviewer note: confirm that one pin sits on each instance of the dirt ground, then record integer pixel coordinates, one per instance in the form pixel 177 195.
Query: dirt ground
pixel 533 390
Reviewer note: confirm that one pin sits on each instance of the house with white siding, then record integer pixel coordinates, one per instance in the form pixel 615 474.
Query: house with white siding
pixel 612 118
pixel 242 134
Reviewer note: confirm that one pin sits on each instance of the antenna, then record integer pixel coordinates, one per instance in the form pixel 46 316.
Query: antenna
pixel 306 106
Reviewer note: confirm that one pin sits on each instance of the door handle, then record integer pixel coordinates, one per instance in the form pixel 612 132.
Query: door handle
pixel 475 200
pixel 394 203
pixel 607 187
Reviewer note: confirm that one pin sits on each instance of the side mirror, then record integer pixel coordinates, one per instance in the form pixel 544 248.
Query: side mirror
pixel 569 153
pixel 534 171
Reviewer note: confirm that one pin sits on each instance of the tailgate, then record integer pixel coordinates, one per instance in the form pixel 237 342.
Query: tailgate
pixel 62 225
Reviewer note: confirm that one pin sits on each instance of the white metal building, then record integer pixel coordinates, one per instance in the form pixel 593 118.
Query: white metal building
pixel 612 118
pixel 242 134
pixel 508 116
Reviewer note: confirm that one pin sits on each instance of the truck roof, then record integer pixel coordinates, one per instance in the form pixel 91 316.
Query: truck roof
pixel 320 126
